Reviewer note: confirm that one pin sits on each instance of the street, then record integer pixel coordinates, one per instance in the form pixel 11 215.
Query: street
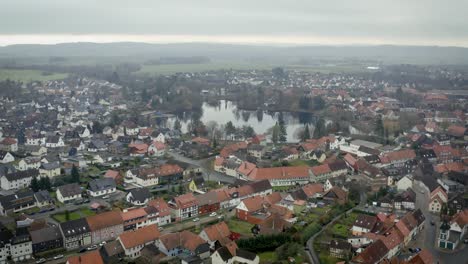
pixel 428 237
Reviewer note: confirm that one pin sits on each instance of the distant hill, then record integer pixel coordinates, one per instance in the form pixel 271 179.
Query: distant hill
pixel 386 53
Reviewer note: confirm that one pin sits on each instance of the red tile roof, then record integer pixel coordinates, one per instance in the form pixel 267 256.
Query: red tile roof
pixel 320 169
pixel 185 200
pixel 161 205
pixel 93 257
pixel 131 239
pixel 280 173
pixel 104 220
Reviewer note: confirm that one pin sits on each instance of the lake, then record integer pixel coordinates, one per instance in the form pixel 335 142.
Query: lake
pixel 261 121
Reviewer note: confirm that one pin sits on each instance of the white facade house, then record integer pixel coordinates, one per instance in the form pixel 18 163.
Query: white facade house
pixel 18 179
pixel 100 187
pixel 21 249
pixel 6 157
pixel 160 138
pixel 54 142
pixel 50 170
pixel 68 192
pixel 28 163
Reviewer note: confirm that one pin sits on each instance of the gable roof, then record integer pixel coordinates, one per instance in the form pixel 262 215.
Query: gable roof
pixel 93 257
pixel 372 254
pixel 280 173
pixel 103 220
pixel 102 184
pixel 68 190
pixel 365 221
pixel 131 239
pixel 218 232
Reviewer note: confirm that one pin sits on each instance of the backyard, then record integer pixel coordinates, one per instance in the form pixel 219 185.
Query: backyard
pixel 73 215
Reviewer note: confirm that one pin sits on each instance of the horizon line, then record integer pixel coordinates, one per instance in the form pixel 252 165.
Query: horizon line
pixel 260 40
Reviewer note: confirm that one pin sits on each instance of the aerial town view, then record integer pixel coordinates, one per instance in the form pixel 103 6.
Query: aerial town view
pixel 238 132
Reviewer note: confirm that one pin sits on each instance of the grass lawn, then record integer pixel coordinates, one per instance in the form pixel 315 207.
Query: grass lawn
pixel 60 217
pixel 29 75
pixel 299 162
pixel 340 230
pixel 240 227
pixel 327 259
pixel 87 212
pixel 269 256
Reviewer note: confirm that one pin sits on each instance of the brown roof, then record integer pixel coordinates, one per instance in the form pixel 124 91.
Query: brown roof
pixel 93 257
pixel 365 221
pixel 392 238
pixel 321 169
pixel 103 220
pixel 339 193
pixel 184 239
pixel 218 232
pixel 131 239
pixel 461 218
pixel 404 154
pixel 456 131
pixel 253 203
pixel 313 188
pixel 372 254
pixel 280 173
pixel 208 198
pixel 134 213
pixel 161 205
pixel 185 200
pixel 423 257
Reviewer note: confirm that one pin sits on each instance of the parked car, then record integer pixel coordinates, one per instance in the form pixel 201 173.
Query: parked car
pixel 432 222
pixel 82 250
pixel 196 219
pixel 160 228
pixel 93 247
pixel 466 241
pixel 106 197
pixel 42 260
pixel 58 256
pixel 213 214
pixel 102 243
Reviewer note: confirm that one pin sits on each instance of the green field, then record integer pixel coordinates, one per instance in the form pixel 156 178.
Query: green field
pixel 29 75
pixel 240 227
pixel 174 68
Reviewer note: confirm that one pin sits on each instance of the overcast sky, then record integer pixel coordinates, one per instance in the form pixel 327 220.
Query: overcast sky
pixel 413 22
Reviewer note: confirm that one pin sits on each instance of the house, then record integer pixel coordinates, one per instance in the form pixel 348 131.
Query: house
pixel 397 158
pixel 320 173
pixel 6 157
pixel 5 241
pixel 340 249
pixel 216 233
pixel 100 187
pixel 54 142
pixel 43 198
pixel 133 241
pixel 105 226
pixel 9 144
pixel 18 179
pixel 336 195
pixel 183 243
pixel 135 218
pixel 138 149
pixel 17 202
pixel 75 233
pixel 112 252
pixel 231 254
pixel 93 257
pixel 139 196
pixel 47 238
pixel 405 200
pixel 157 149
pixel 21 245
pixel 404 183
pixel 451 233
pixel 197 182
pixel 363 224
pixel 184 206
pixel 97 146
pixel 256 150
pixel 438 197
pixel 51 169
pixel 29 163
pixel 68 192
pixel 282 176
pixel 373 254
pixel 207 202
pixel 163 209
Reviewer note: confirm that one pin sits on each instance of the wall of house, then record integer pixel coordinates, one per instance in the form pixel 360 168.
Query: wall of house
pixel 21 251
pixel 106 234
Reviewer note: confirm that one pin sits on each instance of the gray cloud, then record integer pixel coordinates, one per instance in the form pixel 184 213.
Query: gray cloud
pixel 424 20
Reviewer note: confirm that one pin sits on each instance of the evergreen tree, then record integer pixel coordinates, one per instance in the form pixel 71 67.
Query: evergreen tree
pixel 44 183
pixel 379 128
pixel 75 174
pixel 275 133
pixel 282 128
pixel 320 128
pixel 215 143
pixel 34 184
pixel 306 134
pixel 230 129
pixel 67 215
pixel 177 125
